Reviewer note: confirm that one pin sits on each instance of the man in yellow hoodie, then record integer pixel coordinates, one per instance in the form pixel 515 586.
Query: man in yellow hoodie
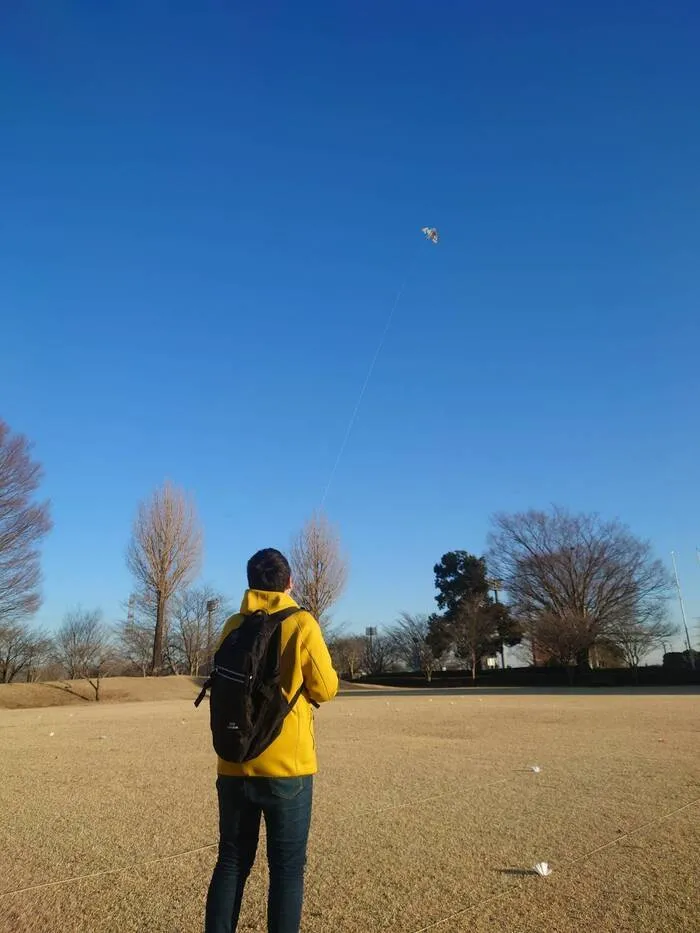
pixel 278 785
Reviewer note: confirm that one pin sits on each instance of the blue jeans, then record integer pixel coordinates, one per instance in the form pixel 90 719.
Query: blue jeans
pixel 286 805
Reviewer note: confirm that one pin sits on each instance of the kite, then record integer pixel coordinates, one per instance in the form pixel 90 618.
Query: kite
pixel 431 234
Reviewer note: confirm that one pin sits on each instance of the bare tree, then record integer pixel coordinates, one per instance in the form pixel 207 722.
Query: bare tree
pixel 606 654
pixel 474 626
pixel 319 568
pixel 409 639
pixel 23 523
pixel 13 650
pixel 578 574
pixel 164 554
pixel 559 639
pixel 83 646
pixel 22 651
pixel 636 640
pixel 347 653
pixel 134 634
pixel 197 618
pixel 38 656
pixel 377 655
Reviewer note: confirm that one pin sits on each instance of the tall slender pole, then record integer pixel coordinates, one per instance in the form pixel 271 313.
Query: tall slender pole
pixel 496 585
pixel 212 606
pixel 683 615
pixel 370 632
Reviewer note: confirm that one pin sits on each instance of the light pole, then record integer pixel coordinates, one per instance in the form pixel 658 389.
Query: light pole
pixel 370 633
pixel 497 585
pixel 212 606
pixel 683 616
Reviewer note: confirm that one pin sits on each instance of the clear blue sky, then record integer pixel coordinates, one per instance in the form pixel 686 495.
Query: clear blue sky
pixel 207 208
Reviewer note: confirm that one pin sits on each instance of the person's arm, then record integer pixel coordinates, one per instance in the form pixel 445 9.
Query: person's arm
pixel 320 679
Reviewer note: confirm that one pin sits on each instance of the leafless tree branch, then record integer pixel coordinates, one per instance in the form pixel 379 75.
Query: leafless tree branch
pixel 23 650
pixel 23 523
pixel 347 653
pixel 574 579
pixel 197 617
pixel 84 647
pixel 319 568
pixel 164 554
pixel 410 643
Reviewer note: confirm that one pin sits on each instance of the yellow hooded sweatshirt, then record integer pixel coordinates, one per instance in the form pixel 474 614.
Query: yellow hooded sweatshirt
pixel 305 660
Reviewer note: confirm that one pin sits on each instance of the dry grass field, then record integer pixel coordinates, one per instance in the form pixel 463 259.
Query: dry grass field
pixel 112 690
pixel 426 817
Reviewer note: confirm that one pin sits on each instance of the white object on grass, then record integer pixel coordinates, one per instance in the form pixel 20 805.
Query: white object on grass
pixel 51 733
pixel 542 869
pixel 535 769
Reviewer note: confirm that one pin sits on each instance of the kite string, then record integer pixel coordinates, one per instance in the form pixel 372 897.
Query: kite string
pixel 567 864
pixel 109 871
pixel 363 390
pixel 435 923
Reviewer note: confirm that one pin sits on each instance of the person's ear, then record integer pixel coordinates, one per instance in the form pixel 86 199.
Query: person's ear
pixel 290 587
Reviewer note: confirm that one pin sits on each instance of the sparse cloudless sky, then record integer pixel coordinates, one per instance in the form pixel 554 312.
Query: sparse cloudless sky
pixel 206 210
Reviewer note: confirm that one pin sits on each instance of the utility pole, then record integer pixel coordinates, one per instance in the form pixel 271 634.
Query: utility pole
pixel 496 585
pixel 691 658
pixel 370 634
pixel 212 606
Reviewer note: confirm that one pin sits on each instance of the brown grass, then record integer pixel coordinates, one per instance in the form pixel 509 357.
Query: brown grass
pixel 425 816
pixel 112 690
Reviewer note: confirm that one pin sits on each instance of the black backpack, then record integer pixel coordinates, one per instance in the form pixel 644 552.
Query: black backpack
pixel 247 706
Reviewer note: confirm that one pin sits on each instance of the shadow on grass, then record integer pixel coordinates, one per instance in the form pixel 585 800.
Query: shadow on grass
pixel 63 688
pixel 516 872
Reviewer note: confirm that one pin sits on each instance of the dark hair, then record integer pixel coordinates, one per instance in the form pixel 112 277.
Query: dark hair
pixel 269 570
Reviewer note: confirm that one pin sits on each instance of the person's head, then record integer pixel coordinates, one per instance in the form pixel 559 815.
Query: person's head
pixel 269 570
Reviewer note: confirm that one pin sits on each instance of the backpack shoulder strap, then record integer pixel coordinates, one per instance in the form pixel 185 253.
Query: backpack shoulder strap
pixel 295 698
pixel 203 692
pixel 283 614
pixel 277 617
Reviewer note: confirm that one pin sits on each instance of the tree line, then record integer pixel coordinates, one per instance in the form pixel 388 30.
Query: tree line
pixel 171 622
pixel 569 589
pixel 580 591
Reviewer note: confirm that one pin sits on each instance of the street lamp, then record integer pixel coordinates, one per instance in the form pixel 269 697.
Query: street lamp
pixel 370 634
pixel 691 657
pixel 496 585
pixel 212 606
